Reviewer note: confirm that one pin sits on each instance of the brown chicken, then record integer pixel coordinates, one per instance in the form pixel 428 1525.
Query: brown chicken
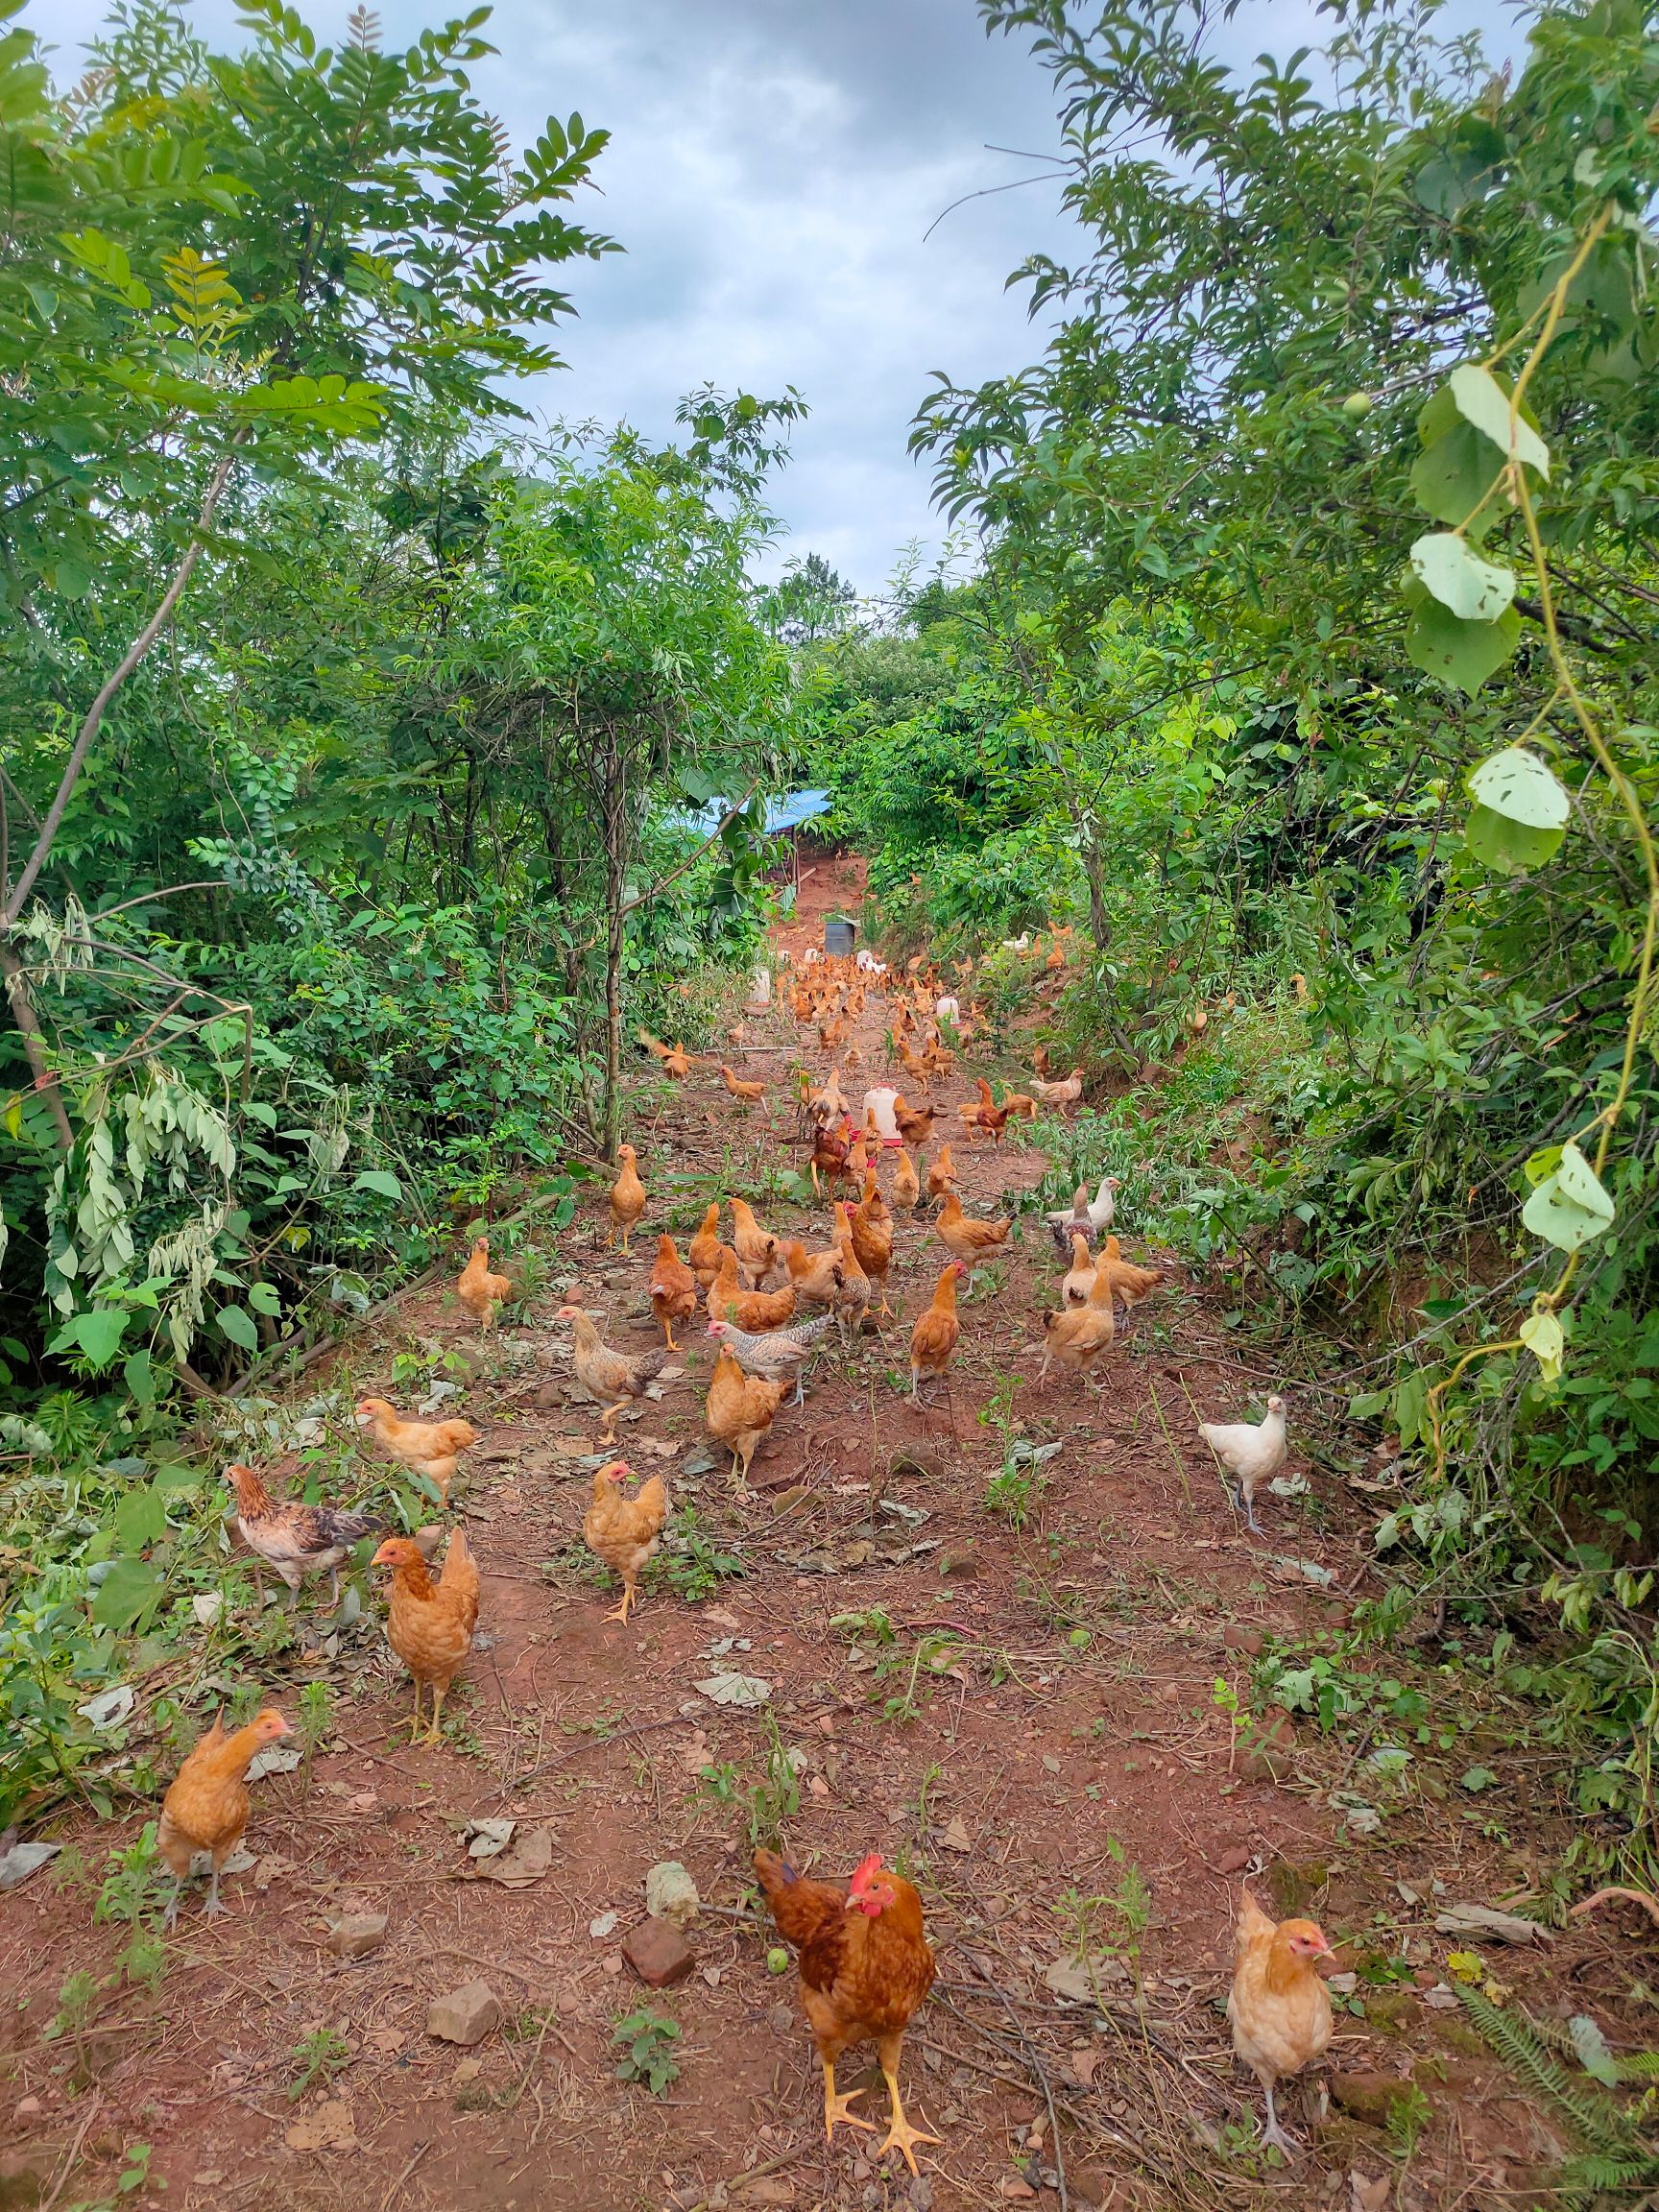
pixel 915 1127
pixel 866 1966
pixel 1080 1276
pixel 627 1196
pixel 673 1289
pixel 676 1059
pixel 1063 1093
pixel 1076 1336
pixel 906 1182
pixel 611 1377
pixel 704 1248
pixel 755 1310
pixel 429 1625
pixel 1019 1104
pixel 942 1174
pixel 968 1240
pixel 934 1337
pixel 756 1252
pixel 831 1149
pixel 432 1449
pixel 751 1094
pixel 817 1276
pixel 297 1539
pixel 478 1290
pixel 739 1410
pixel 206 1809
pixel 1126 1282
pixel 624 1531
pixel 984 1117
pixel 1278 2008
pixel 854 1290
pixel 870 1222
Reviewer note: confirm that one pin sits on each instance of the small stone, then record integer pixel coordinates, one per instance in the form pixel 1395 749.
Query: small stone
pixel 1237 1637
pixel 26 2108
pixel 780 2019
pixel 671 1894
pixel 658 1954
pixel 356 1934
pixel 1270 1756
pixel 1371 2097
pixel 570 2004
pixel 1093 2186
pixel 1234 1861
pixel 1013 2188
pixel 960 1566
pixel 465 2016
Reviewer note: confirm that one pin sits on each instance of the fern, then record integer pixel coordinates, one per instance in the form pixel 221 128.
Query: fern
pixel 1602 2174
pixel 1519 2042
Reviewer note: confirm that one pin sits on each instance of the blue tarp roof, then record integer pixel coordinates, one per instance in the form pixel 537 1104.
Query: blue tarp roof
pixel 786 812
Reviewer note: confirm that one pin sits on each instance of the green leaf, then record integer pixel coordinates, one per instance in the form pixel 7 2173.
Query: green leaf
pixel 1590 2048
pixel 1454 480
pixel 1483 400
pixel 1545 1338
pixel 382 1184
pixel 140 1518
pixel 239 1324
pixel 126 1595
pixel 1521 788
pixel 1509 847
pixel 1460 653
pixel 1569 1208
pixel 139 1377
pixel 1478 1778
pixel 96 1335
pixel 263 1298
pixel 1475 589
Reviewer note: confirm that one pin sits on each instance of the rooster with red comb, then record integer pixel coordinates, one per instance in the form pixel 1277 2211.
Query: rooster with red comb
pixel 865 1968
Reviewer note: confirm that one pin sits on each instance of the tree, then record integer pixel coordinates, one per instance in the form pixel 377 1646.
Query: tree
pixel 810 602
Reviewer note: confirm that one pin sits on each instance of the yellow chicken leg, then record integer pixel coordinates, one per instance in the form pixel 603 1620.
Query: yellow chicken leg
pixel 630 1596
pixel 668 1332
pixel 836 2105
pixel 434 1736
pixel 414 1724
pixel 900 2136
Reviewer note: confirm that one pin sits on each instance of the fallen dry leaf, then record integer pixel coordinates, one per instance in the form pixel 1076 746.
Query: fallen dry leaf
pixel 525 1859
pixel 329 2127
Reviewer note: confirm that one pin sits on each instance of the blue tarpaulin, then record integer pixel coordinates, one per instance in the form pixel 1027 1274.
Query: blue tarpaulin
pixel 786 813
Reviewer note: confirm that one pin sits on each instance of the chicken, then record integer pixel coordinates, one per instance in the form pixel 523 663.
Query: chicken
pixel 297 1539
pixel 429 1625
pixel 673 1290
pixel 1278 2008
pixel 906 1182
pixel 851 1299
pixel 740 1410
pixel 968 1240
pixel 774 1353
pixel 941 1174
pixel 1066 1093
pixel 866 1966
pixel 611 1377
pixel 1254 1453
pixel 627 1196
pixel 984 1117
pixel 1080 1275
pixel 817 1276
pixel 831 1149
pixel 934 1340
pixel 704 1248
pixel 205 1808
pixel 751 1094
pixel 1129 1285
pixel 624 1531
pixel 1089 1216
pixel 754 1309
pixel 870 1222
pixel 756 1252
pixel 478 1290
pixel 676 1059
pixel 431 1449
pixel 1076 1336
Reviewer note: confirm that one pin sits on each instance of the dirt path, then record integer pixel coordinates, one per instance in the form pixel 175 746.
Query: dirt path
pixel 1019 1708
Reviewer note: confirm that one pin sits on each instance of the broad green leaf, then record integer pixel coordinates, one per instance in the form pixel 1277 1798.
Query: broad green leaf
pixel 140 1518
pixel 263 1298
pixel 1589 2047
pixel 239 1324
pixel 1454 480
pixel 139 1377
pixel 1459 653
pixel 1509 847
pixel 1542 1163
pixel 1544 1337
pixel 97 1335
pixel 126 1595
pixel 1483 401
pixel 1474 589
pixel 377 1180
pixel 1523 788
pixel 1410 1404
pixel 1569 1208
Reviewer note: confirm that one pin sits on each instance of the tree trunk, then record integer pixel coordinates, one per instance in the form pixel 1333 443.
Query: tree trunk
pixel 614 821
pixel 33 1038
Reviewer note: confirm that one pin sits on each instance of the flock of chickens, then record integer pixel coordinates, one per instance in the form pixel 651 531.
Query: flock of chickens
pixel 863 1955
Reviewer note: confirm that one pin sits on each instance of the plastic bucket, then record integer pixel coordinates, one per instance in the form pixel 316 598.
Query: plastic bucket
pixel 838 939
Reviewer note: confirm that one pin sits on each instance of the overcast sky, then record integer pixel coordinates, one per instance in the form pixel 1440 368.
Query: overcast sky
pixel 773 168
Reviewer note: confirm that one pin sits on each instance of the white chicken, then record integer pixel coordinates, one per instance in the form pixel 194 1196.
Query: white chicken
pixel 1253 1453
pixel 1088 1217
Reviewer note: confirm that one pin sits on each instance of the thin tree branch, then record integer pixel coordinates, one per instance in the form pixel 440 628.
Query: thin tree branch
pixel 657 889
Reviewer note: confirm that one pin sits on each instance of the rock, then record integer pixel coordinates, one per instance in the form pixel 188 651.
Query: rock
pixel 1236 1859
pixel 1237 1636
pixel 658 1954
pixel 465 2016
pixel 1370 2097
pixel 356 1934
pixel 961 1565
pixel 780 2019
pixel 26 2175
pixel 1268 1753
pixel 671 1894
pixel 1095 2187
pixel 1013 2188
pixel 1293 1890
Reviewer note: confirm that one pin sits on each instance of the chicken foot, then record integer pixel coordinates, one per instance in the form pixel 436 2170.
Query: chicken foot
pixel 837 2103
pixel 630 1596
pixel 1240 1499
pixel 901 2137
pixel 1273 2135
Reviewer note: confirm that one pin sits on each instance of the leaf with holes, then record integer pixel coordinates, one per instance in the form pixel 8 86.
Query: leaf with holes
pixel 1472 588
pixel 1483 401
pixel 1569 1208
pixel 1460 653
pixel 1521 788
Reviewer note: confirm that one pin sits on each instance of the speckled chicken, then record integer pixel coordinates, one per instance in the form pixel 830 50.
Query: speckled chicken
pixel 295 1538
pixel 613 1378
pixel 775 1355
